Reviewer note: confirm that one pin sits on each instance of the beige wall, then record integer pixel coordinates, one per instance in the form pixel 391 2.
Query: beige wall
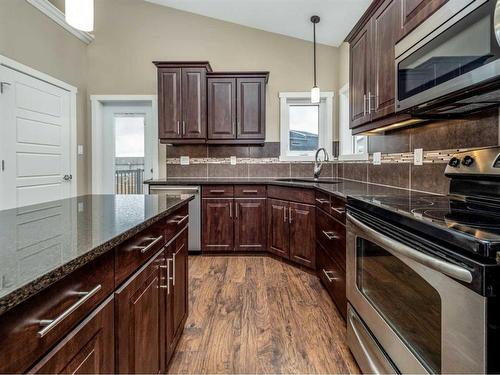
pixel 31 38
pixel 343 64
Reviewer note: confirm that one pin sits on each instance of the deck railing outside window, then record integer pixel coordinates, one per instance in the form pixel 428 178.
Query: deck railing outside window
pixel 129 181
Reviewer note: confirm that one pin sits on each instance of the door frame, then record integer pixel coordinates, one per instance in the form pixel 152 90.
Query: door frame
pixel 24 69
pixel 97 109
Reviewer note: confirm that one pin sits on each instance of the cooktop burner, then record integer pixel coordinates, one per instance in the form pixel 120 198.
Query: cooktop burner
pixel 474 219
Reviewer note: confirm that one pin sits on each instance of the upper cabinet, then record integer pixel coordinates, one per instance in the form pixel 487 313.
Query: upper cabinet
pixel 182 108
pixel 372 59
pixel 196 105
pixel 237 107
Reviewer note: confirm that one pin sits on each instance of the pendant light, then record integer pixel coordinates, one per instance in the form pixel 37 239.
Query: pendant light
pixel 80 14
pixel 315 93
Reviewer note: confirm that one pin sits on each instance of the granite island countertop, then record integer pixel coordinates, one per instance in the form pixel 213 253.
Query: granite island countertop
pixel 339 187
pixel 41 244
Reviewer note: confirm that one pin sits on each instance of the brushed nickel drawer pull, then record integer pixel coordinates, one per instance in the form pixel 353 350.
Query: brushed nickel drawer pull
pixel 217 191
pixel 290 215
pixel 50 324
pixel 148 247
pixel 181 220
pixel 173 269
pixel 250 191
pixel 284 214
pixel 169 278
pixel 330 279
pixel 322 201
pixel 331 235
pixel 339 210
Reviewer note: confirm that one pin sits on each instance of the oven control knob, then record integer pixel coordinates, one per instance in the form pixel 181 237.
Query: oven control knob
pixel 468 161
pixel 454 162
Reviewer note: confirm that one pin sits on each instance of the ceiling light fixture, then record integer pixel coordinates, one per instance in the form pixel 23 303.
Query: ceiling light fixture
pixel 80 14
pixel 315 93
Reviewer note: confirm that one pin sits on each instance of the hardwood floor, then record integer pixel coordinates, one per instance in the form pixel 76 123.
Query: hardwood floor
pixel 258 315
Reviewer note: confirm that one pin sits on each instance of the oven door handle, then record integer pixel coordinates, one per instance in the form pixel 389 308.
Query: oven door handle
pixel 394 246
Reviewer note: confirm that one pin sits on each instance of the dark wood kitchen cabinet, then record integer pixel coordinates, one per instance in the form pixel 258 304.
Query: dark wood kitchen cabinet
pixel 88 349
pixel 217 224
pixel 250 224
pixel 182 108
pixel 175 291
pixel 237 107
pixel 140 317
pixel 278 231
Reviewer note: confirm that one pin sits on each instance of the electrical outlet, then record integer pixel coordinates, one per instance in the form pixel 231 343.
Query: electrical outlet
pixel 418 156
pixel 81 207
pixel 184 160
pixel 233 160
pixel 80 149
pixel 377 158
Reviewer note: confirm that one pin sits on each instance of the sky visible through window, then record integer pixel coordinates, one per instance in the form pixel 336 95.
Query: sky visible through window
pixel 304 127
pixel 129 137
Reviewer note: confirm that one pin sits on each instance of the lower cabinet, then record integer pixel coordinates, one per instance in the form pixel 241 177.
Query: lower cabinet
pixel 88 349
pixel 175 290
pixel 291 231
pixel 140 316
pixel 234 224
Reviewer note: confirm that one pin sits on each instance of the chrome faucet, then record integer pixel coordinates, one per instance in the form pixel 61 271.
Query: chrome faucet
pixel 318 164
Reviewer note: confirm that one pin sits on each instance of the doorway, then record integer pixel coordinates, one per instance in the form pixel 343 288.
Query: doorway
pixel 124 144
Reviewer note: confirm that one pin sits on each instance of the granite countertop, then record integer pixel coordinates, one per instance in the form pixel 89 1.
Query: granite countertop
pixel 336 186
pixel 41 244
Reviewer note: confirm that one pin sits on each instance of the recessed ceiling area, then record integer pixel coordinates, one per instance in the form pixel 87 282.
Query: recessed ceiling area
pixel 287 17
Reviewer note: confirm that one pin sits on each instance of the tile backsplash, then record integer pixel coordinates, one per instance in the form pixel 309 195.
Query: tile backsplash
pixel 439 140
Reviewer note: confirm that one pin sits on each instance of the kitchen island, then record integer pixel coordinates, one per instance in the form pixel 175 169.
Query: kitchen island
pixel 96 283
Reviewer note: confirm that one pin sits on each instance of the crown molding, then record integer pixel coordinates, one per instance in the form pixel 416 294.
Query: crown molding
pixel 57 16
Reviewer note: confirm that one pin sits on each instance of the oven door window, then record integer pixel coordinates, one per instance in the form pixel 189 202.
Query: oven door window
pixel 408 303
pixel 465 46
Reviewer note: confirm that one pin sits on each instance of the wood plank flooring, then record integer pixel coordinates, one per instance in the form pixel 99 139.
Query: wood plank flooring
pixel 258 315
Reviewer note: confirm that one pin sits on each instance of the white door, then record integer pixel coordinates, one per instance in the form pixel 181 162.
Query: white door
pixel 35 140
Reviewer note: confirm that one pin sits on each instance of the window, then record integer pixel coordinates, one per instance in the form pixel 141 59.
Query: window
pixel 351 147
pixel 305 127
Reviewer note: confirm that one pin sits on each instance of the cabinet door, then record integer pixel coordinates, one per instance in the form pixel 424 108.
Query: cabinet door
pixel 251 108
pixel 140 312
pixel 250 224
pixel 278 228
pixel 414 12
pixel 217 225
pixel 302 234
pixel 169 103
pixel 194 107
pixel 385 23
pixel 360 69
pixel 88 349
pixel 221 108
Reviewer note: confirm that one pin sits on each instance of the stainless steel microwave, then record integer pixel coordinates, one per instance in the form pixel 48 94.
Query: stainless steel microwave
pixel 450 64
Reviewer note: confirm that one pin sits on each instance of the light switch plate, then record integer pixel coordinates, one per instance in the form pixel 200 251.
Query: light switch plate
pixel 233 160
pixel 184 160
pixel 418 156
pixel 80 149
pixel 81 207
pixel 377 158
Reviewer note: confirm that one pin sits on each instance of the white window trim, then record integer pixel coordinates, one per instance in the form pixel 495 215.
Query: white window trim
pixel 58 17
pixel 327 130
pixel 344 91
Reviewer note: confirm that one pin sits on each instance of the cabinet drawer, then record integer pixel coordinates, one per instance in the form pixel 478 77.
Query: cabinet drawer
pixel 249 191
pixel 323 201
pixel 333 278
pixel 62 305
pixel 131 254
pixel 291 194
pixel 217 191
pixel 331 234
pixel 175 222
pixel 337 208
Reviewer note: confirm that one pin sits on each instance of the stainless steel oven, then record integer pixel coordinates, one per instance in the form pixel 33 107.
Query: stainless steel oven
pixel 411 309
pixel 450 64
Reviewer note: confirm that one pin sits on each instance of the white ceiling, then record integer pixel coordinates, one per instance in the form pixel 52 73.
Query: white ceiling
pixel 287 17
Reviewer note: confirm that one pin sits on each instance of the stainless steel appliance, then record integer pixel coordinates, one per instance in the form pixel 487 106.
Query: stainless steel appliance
pixel 194 210
pixel 450 64
pixel 423 274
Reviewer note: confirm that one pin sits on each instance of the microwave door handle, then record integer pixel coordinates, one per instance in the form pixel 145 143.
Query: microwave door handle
pixel 436 264
pixel 496 21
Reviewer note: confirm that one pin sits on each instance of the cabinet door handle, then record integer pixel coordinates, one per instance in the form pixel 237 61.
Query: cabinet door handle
pixel 327 274
pixel 173 269
pixel 290 215
pixel 250 191
pixel 322 201
pixel 217 191
pixel 180 220
pixel 150 245
pixel 369 102
pixel 339 210
pixel 364 104
pixel 284 214
pixel 231 210
pixel 331 235
pixel 169 278
pixel 236 210
pixel 49 325
pixel 178 128
pixel 183 127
